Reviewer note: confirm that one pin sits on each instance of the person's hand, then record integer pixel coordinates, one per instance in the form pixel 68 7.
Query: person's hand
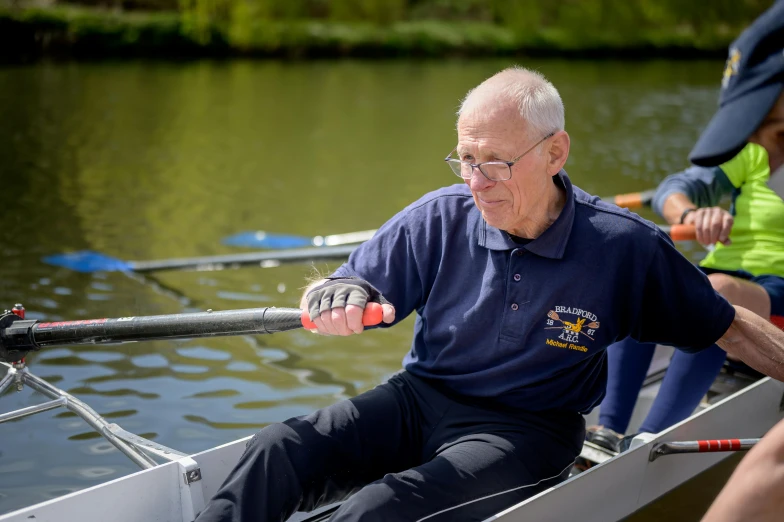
pixel 336 305
pixel 713 225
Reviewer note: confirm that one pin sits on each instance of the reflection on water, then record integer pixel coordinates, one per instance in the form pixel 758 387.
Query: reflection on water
pixel 154 160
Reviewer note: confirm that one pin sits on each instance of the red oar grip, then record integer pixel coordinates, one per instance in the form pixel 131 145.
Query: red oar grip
pixel 372 316
pixel 718 445
pixel 683 233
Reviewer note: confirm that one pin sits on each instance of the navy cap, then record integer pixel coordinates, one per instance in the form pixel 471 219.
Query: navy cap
pixel 752 82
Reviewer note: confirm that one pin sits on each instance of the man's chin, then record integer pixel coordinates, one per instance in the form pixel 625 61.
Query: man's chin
pixel 493 219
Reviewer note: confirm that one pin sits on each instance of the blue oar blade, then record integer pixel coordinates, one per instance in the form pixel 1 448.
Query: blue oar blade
pixel 259 239
pixel 88 261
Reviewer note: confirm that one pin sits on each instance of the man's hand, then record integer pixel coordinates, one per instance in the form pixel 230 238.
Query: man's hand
pixel 336 305
pixel 713 225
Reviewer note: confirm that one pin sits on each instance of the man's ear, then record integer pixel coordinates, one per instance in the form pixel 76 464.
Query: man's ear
pixel 557 151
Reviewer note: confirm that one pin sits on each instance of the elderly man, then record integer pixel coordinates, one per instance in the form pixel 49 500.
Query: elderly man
pixel 520 281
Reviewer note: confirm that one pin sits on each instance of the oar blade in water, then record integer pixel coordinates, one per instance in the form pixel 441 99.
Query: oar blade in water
pixel 88 261
pixel 261 239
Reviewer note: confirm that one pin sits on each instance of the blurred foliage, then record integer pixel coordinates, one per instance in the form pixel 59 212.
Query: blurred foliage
pixel 576 16
pixel 387 27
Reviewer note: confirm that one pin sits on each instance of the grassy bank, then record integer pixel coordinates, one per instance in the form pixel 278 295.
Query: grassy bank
pixel 82 32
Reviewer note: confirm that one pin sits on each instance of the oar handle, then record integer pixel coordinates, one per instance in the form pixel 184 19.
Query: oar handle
pixel 680 232
pixel 371 316
pixel 701 446
pixel 633 200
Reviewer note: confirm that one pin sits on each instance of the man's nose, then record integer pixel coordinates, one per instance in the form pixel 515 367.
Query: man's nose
pixel 479 181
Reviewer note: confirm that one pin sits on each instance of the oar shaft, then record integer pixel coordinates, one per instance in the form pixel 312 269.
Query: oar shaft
pixel 701 446
pixel 145 328
pixel 19 336
pixel 348 238
pixel 200 324
pixel 250 258
pixel 298 255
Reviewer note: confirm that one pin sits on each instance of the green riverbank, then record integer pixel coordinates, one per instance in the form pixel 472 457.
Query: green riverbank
pixel 81 32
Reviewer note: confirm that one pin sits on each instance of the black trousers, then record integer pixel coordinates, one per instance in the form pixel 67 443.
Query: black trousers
pixel 406 450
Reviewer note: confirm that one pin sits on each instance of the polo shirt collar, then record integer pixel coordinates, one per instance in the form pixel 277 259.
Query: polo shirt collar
pixel 551 243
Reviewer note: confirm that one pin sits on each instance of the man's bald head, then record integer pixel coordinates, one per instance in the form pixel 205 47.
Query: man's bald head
pixel 529 93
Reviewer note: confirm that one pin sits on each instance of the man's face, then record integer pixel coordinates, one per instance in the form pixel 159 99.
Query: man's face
pixel 771 135
pixel 498 133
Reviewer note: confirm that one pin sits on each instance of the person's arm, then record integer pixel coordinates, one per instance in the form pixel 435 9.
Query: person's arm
pixel 679 307
pixel 756 342
pixel 753 492
pixel 697 190
pixel 691 188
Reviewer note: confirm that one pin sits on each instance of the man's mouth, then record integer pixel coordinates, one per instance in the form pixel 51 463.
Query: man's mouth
pixel 490 202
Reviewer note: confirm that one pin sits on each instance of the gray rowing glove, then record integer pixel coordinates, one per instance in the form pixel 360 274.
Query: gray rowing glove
pixel 337 292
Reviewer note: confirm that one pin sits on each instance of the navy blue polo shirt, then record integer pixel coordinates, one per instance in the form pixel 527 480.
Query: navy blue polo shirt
pixel 528 324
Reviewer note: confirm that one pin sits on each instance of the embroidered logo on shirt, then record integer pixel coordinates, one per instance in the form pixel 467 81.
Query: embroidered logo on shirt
pixel 571 330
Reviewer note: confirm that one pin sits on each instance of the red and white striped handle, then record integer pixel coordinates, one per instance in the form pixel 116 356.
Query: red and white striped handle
pixel 720 445
pixel 701 446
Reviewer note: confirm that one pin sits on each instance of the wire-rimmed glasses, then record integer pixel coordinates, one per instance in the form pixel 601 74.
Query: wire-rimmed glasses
pixel 492 170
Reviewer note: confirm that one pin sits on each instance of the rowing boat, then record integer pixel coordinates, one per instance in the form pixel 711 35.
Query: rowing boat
pixel 739 407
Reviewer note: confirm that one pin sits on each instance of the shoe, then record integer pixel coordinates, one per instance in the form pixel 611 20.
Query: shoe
pixel 626 442
pixel 604 437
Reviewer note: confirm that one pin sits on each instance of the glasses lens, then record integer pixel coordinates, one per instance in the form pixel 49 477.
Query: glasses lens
pixel 460 169
pixel 496 171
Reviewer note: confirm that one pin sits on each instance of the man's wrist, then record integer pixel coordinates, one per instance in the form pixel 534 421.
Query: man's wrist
pixel 685 213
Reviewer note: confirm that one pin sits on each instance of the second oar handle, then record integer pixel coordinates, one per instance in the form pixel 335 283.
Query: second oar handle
pixel 700 446
pixel 680 232
pixel 371 316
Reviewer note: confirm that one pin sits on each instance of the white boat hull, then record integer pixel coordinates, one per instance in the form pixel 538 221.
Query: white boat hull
pixel 630 480
pixel 616 488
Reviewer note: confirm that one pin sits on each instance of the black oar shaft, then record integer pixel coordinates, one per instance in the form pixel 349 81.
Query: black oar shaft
pixel 251 258
pixel 20 336
pixel 200 324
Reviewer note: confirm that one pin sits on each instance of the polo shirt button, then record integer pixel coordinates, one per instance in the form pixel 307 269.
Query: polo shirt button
pixel 514 306
pixel 517 277
pixel 519 252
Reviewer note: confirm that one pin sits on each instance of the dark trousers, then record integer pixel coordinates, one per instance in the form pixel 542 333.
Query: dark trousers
pixel 406 450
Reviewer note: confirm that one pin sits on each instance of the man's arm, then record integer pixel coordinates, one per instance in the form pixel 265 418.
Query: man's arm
pixel 756 342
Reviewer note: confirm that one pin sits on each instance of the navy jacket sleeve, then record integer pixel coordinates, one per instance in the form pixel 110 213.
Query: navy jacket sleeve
pixel 704 186
pixel 388 261
pixel 679 306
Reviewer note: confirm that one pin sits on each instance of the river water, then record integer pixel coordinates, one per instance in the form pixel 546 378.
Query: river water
pixel 149 160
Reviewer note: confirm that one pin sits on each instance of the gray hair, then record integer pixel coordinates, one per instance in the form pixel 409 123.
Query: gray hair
pixel 537 99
